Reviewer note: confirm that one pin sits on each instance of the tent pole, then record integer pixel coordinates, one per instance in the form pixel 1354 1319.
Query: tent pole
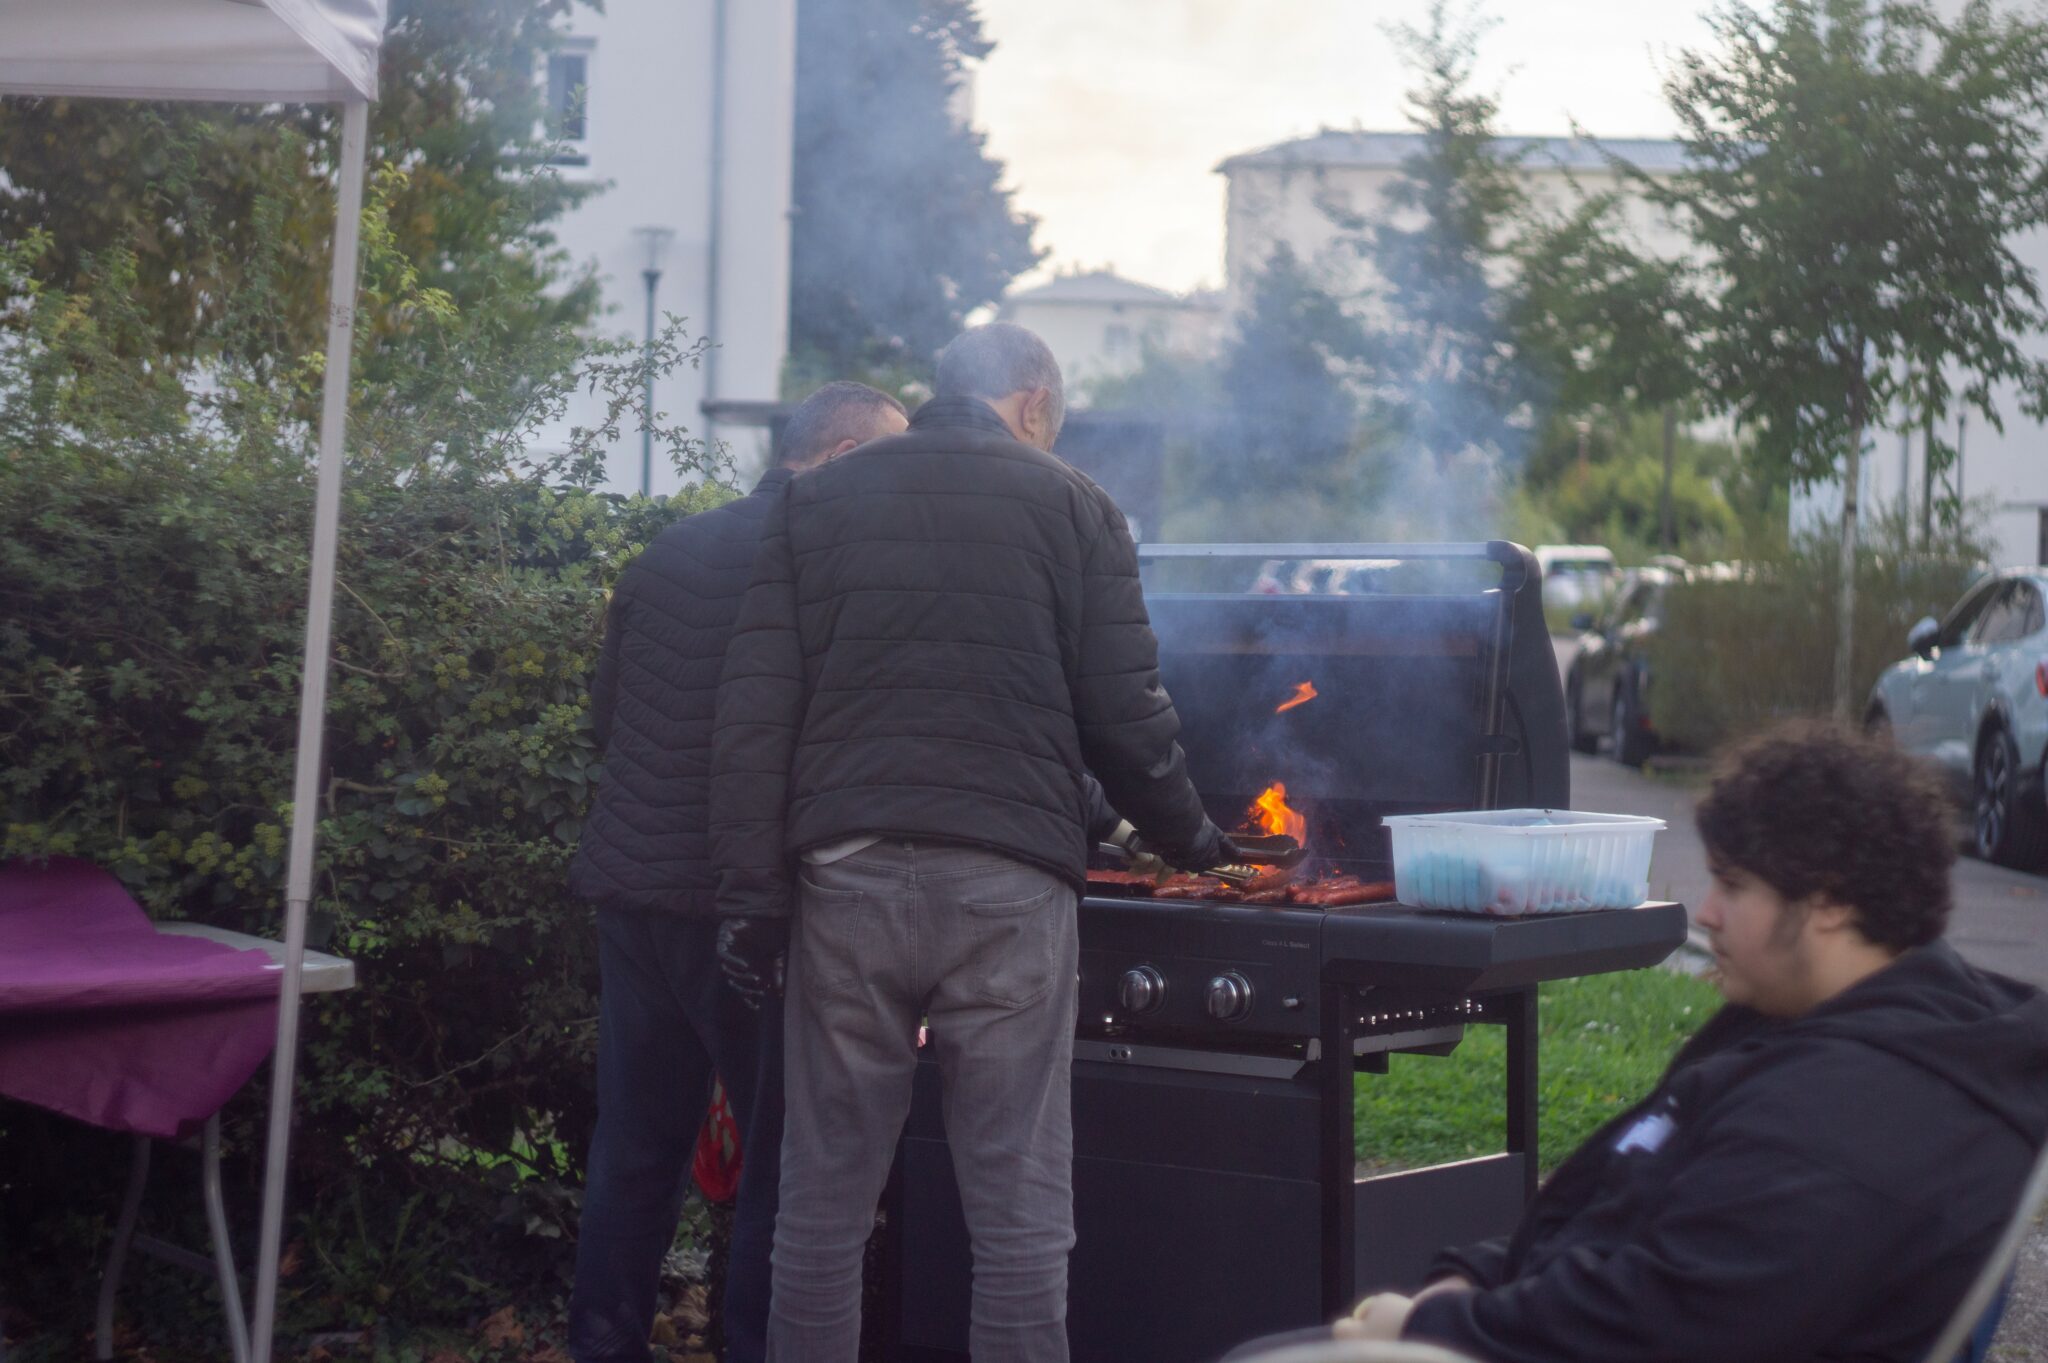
pixel 341 299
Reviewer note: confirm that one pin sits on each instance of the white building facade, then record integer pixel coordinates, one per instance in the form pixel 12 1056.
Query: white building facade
pixel 2001 474
pixel 1302 192
pixel 2004 470
pixel 1299 192
pixel 1100 325
pixel 686 120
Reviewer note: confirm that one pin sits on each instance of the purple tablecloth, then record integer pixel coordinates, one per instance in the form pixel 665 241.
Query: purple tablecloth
pixel 105 1019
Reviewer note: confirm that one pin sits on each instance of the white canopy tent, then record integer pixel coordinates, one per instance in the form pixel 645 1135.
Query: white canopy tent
pixel 248 52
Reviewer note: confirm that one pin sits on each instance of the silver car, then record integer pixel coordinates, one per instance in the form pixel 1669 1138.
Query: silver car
pixel 1973 697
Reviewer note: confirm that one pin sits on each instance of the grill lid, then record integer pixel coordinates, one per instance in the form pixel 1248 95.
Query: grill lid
pixel 1435 690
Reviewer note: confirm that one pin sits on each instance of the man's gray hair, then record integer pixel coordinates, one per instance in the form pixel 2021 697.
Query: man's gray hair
pixel 997 360
pixel 838 411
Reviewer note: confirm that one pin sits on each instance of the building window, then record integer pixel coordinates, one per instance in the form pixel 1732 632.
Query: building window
pixel 568 102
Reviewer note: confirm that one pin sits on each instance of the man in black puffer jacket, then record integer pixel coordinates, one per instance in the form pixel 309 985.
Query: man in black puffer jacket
pixel 666 1020
pixel 1827 1165
pixel 944 629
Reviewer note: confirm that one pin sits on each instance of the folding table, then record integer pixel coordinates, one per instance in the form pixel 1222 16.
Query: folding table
pixel 139 1027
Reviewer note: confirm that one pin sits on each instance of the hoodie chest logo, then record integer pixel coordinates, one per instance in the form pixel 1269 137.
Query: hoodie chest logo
pixel 1648 1133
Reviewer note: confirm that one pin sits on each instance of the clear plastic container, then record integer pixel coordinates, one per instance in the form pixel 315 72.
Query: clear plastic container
pixel 1513 861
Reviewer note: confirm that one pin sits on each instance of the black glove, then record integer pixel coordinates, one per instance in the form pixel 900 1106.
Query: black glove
pixel 753 954
pixel 1211 847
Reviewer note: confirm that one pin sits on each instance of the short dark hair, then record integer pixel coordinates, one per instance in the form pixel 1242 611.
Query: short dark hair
pixel 1811 807
pixel 994 361
pixel 842 410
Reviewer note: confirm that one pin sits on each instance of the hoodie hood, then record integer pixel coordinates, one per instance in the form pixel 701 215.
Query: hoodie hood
pixel 1980 1033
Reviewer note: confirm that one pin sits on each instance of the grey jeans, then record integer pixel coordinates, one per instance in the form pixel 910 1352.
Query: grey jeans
pixel 986 948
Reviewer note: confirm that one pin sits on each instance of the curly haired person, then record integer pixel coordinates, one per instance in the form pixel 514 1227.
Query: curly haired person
pixel 1825 1166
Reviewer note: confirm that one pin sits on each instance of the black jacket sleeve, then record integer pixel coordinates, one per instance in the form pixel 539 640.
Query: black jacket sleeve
pixel 1737 1265
pixel 604 686
pixel 753 741
pixel 1128 727
pixel 1483 1264
pixel 1101 819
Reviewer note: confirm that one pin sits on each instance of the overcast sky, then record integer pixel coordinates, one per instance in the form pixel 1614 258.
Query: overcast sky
pixel 1112 114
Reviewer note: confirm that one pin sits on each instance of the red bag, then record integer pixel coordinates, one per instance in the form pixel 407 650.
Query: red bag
pixel 717 1163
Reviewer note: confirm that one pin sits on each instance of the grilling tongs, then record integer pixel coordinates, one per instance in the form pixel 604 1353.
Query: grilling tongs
pixel 1256 852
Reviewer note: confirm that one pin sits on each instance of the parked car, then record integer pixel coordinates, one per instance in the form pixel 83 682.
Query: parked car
pixel 1973 698
pixel 1575 576
pixel 1607 687
pixel 1320 576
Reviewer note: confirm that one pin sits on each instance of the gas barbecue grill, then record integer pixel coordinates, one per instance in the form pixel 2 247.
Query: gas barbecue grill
pixel 1214 1173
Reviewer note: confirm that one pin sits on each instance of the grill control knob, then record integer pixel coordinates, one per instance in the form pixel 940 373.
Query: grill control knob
pixel 1141 990
pixel 1230 997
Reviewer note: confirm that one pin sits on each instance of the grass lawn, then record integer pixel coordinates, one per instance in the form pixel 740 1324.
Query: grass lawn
pixel 1606 1039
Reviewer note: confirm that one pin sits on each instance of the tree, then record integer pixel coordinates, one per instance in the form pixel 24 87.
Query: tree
pixel 1292 412
pixel 215 204
pixel 153 527
pixel 901 226
pixel 1855 172
pixel 1447 368
pixel 1609 479
pixel 1604 327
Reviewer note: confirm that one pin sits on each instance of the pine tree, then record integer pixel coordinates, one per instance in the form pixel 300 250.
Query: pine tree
pixel 1448 370
pixel 1286 375
pixel 901 225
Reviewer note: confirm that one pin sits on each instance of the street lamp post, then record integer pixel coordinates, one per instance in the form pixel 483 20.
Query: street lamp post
pixel 654 241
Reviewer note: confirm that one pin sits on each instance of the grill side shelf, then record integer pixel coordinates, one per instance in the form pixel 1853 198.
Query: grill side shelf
pixel 1406 948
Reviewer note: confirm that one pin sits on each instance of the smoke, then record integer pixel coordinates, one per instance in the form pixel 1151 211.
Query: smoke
pixel 901 226
pixel 1354 420
pixel 1395 721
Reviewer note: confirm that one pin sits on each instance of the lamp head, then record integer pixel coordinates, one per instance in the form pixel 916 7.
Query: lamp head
pixel 654 243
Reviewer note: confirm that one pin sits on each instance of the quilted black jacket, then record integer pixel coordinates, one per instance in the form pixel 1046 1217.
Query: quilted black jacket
pixel 645 842
pixel 945 628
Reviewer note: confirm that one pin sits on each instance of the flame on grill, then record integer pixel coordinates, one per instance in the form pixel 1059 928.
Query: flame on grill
pixel 1271 813
pixel 1303 694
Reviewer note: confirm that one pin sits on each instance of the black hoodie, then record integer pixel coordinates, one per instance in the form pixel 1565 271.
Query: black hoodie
pixel 1823 1188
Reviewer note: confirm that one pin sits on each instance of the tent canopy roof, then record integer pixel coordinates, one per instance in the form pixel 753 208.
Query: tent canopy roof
pixel 255 51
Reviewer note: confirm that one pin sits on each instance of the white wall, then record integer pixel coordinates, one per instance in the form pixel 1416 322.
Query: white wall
pixel 2008 470
pixel 650 111
pixel 1270 204
pixel 1094 340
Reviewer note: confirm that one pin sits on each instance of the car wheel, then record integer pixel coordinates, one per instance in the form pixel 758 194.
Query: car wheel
pixel 2005 827
pixel 1631 744
pixel 1575 718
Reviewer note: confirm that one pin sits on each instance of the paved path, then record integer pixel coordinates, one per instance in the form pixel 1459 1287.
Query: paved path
pixel 2000 920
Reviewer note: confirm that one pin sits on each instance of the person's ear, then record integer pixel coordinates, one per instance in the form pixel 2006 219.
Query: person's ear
pixel 1829 917
pixel 841 448
pixel 1037 417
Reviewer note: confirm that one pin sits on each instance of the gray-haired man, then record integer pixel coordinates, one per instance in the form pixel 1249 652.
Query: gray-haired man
pixel 945 629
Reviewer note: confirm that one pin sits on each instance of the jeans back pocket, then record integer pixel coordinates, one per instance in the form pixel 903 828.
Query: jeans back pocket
pixel 1009 960
pixel 833 935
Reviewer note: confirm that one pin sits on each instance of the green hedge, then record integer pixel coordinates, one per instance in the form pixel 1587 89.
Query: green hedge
pixel 154 538
pixel 1734 655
